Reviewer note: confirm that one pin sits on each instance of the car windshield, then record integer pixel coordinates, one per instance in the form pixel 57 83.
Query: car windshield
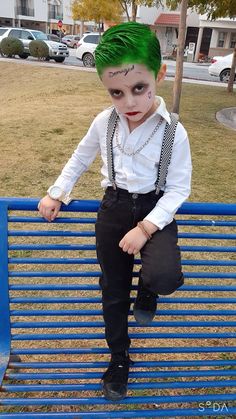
pixel 2 31
pixel 40 35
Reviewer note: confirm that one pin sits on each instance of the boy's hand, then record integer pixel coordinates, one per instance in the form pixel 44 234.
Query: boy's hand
pixel 135 239
pixel 49 208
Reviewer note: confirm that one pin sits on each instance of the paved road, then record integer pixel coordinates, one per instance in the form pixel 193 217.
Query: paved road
pixel 191 70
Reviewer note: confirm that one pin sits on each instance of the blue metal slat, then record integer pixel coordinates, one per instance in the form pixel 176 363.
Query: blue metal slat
pixel 162 300
pixel 50 233
pixel 5 342
pixel 195 208
pixel 16 388
pixel 88 375
pixel 133 350
pixel 137 364
pixel 210 312
pixel 100 324
pixel 99 336
pixel 201 411
pixel 130 399
pixel 65 233
pixel 82 261
pixel 73 287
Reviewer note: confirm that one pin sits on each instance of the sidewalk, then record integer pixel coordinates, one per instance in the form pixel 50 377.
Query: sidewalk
pixel 227 117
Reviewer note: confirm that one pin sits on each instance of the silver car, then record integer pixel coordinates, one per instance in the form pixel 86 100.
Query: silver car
pixel 71 40
pixel 57 50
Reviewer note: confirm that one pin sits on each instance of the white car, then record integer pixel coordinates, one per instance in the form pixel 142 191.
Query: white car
pixel 57 50
pixel 220 67
pixel 86 47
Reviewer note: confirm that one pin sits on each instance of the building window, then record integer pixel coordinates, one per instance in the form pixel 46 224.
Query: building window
pixel 233 40
pixel 25 7
pixel 55 9
pixel 221 39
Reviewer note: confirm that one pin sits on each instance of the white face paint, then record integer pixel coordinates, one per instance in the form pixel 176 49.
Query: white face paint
pixel 132 88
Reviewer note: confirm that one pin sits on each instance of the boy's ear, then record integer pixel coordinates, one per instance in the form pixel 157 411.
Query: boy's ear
pixel 161 73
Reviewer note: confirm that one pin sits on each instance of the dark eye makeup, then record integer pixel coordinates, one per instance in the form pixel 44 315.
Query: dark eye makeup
pixel 138 89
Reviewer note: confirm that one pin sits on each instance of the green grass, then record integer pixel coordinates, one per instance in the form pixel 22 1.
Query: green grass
pixel 45 112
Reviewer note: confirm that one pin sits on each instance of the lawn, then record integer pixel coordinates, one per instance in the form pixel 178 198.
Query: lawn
pixel 46 111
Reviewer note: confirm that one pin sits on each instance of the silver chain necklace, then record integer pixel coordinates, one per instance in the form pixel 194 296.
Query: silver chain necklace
pixel 122 150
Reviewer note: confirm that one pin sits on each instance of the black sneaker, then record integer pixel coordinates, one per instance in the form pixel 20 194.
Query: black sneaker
pixel 145 305
pixel 114 380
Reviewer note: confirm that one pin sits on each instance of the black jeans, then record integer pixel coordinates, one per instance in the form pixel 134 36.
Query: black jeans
pixel 161 271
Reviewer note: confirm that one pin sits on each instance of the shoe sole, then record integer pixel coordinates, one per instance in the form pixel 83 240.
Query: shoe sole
pixel 143 317
pixel 110 397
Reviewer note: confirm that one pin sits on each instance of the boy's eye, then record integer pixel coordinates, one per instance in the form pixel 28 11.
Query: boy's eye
pixel 116 93
pixel 139 89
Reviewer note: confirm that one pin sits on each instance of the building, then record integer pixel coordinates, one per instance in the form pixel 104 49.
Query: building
pixel 206 38
pixel 40 14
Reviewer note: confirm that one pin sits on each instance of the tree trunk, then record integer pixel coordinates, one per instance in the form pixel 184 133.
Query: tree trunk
pixel 134 10
pixel 125 8
pixel 232 73
pixel 180 57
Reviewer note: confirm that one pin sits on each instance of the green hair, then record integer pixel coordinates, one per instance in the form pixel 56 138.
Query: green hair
pixel 128 43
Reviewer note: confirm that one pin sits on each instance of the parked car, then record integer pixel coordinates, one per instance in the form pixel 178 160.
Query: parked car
pixel 86 47
pixel 57 50
pixel 53 37
pixel 220 67
pixel 71 40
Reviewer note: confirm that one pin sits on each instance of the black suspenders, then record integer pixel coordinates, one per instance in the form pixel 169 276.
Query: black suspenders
pixel 166 150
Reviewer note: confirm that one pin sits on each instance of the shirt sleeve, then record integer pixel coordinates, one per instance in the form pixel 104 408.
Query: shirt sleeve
pixel 178 182
pixel 80 160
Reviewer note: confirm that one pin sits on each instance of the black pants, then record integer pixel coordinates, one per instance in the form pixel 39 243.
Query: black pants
pixel 160 257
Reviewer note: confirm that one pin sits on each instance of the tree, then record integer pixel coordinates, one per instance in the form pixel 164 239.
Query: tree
pixel 97 10
pixel 214 9
pixel 133 4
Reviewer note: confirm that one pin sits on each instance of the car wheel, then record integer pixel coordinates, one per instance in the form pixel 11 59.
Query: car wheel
pixel 3 55
pixel 88 60
pixel 224 75
pixel 59 59
pixel 24 56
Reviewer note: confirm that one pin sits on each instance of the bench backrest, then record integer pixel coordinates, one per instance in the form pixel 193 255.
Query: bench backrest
pixel 50 316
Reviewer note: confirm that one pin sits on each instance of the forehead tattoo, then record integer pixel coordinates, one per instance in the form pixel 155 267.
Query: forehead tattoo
pixel 124 71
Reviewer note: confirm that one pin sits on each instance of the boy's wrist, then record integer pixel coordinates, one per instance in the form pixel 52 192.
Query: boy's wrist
pixel 147 228
pixel 150 227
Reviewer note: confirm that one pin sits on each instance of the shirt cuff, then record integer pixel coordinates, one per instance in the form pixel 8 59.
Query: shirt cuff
pixel 159 217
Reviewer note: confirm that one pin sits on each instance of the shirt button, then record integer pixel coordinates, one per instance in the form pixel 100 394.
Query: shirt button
pixel 135 195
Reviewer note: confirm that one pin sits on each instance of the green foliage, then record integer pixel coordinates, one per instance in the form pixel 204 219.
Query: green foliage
pixel 213 8
pixel 10 47
pixel 38 49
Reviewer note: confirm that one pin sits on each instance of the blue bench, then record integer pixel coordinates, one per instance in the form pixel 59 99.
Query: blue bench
pixel 52 348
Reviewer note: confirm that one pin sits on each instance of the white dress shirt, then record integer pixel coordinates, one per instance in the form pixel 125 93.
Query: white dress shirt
pixel 136 173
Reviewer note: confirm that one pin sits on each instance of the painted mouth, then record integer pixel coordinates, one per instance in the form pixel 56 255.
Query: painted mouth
pixel 132 113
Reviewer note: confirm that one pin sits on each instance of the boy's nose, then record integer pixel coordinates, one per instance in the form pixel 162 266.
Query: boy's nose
pixel 130 101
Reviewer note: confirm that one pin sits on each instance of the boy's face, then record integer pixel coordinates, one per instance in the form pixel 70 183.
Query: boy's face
pixel 132 88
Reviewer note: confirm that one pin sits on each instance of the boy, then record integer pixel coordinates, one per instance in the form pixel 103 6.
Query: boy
pixel 134 216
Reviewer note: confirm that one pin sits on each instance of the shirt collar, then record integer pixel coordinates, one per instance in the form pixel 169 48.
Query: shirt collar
pixel 161 110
